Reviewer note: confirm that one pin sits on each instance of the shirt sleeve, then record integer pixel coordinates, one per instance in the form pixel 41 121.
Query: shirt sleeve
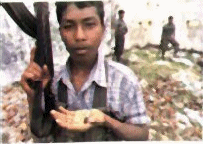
pixel 134 110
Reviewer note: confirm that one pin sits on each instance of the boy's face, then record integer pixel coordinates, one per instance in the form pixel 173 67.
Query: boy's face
pixel 82 32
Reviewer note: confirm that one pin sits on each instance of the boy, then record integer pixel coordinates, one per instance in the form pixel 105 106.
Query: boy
pixel 86 71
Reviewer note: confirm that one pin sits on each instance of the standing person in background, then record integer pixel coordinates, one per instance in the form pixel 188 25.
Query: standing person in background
pixel 121 30
pixel 168 36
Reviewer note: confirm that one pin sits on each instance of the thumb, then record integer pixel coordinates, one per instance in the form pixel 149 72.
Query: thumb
pixel 45 71
pixel 32 54
pixel 91 120
pixel 45 76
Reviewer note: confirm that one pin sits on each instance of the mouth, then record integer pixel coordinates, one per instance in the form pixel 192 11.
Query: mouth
pixel 81 51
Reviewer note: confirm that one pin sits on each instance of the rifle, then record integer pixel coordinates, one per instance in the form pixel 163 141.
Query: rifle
pixel 37 27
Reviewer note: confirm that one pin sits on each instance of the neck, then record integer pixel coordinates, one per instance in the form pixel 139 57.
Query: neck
pixel 85 66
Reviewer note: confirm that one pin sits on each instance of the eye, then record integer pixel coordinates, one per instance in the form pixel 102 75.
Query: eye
pixel 90 24
pixel 67 25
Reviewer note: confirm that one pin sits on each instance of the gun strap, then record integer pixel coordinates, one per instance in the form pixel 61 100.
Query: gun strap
pixel 100 93
pixel 62 94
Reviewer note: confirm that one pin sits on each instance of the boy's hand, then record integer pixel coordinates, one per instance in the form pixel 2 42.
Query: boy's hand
pixel 78 121
pixel 35 73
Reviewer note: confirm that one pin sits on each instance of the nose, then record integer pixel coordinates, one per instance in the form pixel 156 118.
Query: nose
pixel 80 34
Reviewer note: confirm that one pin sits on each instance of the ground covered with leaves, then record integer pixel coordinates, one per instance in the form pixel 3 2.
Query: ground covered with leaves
pixel 172 92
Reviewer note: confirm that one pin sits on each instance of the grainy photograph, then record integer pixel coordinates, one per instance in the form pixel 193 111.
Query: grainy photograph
pixel 97 71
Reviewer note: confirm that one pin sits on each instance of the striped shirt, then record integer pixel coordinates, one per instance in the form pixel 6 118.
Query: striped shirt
pixel 124 96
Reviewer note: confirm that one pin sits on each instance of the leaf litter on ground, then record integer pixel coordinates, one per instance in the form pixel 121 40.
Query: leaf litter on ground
pixel 174 109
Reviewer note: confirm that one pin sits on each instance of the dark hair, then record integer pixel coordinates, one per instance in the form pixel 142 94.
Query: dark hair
pixel 62 6
pixel 121 11
pixel 188 22
pixel 170 17
pixel 149 23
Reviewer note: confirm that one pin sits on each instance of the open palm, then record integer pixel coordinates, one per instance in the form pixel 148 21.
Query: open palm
pixel 72 120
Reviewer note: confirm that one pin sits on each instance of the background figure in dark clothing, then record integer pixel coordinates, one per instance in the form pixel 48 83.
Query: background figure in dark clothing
pixel 168 36
pixel 121 30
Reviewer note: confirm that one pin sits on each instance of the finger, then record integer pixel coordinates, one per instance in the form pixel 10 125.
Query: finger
pixel 45 75
pixel 24 80
pixel 58 115
pixel 67 112
pixel 63 117
pixel 94 121
pixel 73 127
pixel 45 71
pixel 24 84
pixel 32 54
pixel 80 127
pixel 28 75
pixel 35 67
pixel 34 71
pixel 90 120
pixel 67 125
pixel 63 110
pixel 96 116
pixel 62 124
pixel 26 87
pixel 55 114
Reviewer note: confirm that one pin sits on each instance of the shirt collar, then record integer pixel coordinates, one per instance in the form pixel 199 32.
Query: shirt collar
pixel 97 74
